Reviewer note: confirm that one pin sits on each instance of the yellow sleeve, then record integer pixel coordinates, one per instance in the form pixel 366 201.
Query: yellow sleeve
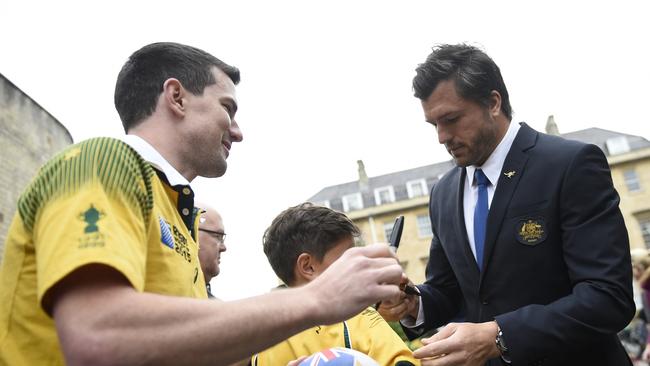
pixel 372 335
pixel 90 204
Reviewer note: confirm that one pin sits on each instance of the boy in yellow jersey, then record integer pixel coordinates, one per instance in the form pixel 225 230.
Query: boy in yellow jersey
pixel 301 243
pixel 101 261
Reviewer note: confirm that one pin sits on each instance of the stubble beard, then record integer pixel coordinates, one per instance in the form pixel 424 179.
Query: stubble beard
pixel 481 146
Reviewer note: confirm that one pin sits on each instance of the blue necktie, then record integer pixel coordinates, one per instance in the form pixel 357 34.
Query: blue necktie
pixel 480 215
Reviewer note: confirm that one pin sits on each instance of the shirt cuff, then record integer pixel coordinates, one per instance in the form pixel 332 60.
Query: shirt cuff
pixel 409 322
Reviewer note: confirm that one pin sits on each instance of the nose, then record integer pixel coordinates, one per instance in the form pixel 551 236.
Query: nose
pixel 222 247
pixel 236 134
pixel 443 134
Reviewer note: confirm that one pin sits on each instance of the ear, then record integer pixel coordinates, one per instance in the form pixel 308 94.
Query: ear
pixel 304 269
pixel 495 103
pixel 174 96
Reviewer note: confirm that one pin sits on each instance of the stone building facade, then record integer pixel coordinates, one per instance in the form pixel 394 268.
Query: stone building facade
pixel 29 136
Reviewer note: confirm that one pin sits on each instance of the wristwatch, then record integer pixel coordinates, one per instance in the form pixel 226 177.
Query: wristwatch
pixel 501 345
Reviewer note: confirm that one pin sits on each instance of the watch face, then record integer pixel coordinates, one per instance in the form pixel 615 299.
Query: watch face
pixel 501 344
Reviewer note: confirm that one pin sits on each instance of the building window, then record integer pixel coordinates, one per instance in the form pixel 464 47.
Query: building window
pixel 632 180
pixel 352 202
pixel 617 145
pixel 388 229
pixel 384 195
pixel 424 226
pixel 416 188
pixel 644 223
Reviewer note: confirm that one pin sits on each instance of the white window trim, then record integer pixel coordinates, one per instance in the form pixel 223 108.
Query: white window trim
pixel 347 197
pixel 411 183
pixel 391 194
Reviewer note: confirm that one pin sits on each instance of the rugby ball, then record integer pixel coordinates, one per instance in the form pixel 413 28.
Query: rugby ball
pixel 338 356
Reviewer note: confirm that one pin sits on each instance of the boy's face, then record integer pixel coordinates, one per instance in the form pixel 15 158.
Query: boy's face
pixel 333 254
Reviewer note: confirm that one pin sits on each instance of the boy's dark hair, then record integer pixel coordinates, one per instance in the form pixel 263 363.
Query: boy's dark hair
pixel 472 70
pixel 305 228
pixel 141 79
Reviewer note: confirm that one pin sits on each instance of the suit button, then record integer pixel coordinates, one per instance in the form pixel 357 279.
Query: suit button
pixel 484 302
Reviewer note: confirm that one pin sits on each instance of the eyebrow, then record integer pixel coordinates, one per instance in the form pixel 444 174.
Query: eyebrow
pixel 443 116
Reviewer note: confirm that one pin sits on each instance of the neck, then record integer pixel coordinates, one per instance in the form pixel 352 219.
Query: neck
pixel 168 148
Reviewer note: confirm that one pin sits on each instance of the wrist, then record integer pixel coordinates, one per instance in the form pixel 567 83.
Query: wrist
pixel 502 347
pixel 415 310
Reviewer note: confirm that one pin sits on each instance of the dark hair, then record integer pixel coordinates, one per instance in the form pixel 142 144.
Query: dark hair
pixel 305 228
pixel 141 79
pixel 473 71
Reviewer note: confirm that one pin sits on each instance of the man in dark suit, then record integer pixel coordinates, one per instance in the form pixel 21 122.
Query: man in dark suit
pixel 529 246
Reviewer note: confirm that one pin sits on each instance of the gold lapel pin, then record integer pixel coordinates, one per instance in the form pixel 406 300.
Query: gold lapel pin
pixel 509 174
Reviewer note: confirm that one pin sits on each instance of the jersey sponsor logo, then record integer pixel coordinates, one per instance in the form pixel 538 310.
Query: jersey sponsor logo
pixel 91 237
pixel 165 234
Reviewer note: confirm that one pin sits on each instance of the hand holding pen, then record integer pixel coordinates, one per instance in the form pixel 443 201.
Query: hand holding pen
pixel 393 243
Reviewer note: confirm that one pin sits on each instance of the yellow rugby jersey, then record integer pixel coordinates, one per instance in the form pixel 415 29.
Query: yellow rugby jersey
pixel 366 332
pixel 100 202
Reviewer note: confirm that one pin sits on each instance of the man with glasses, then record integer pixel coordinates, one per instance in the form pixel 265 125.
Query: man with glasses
pixel 212 241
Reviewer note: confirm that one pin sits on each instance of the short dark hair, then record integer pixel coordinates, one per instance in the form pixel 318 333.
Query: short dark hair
pixel 305 228
pixel 473 71
pixel 141 79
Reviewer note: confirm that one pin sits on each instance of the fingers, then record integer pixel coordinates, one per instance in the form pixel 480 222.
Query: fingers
pixel 398 308
pixel 375 251
pixel 445 332
pixel 363 276
pixel 434 349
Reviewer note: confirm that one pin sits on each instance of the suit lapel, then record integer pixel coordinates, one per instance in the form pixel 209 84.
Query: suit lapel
pixel 513 169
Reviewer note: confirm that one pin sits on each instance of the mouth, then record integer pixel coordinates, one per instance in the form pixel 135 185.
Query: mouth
pixel 227 145
pixel 454 150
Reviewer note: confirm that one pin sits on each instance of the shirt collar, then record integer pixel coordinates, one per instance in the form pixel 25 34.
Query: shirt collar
pixel 494 163
pixel 150 154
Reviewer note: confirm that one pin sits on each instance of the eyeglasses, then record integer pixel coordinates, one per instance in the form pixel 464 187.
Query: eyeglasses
pixel 220 236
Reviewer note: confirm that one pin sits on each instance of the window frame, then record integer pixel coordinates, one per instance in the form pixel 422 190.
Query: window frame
pixel 409 187
pixel 346 200
pixel 391 194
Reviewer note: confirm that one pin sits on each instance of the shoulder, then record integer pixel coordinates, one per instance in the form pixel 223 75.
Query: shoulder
pixel 534 141
pixel 106 163
pixel 447 184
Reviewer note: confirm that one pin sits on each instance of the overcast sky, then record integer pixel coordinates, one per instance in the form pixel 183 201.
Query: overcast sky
pixel 325 83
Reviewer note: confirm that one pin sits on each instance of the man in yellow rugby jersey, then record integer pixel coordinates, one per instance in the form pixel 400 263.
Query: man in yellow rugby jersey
pixel 101 265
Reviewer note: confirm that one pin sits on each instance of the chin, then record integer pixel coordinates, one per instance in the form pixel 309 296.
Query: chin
pixel 461 162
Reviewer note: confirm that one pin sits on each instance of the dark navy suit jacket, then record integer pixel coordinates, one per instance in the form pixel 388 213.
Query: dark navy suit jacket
pixel 557 273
